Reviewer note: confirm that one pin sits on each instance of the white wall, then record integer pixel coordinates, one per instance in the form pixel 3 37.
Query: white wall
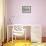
pixel 1 21
pixel 37 15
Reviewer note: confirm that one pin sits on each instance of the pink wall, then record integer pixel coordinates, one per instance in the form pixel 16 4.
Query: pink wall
pixel 37 15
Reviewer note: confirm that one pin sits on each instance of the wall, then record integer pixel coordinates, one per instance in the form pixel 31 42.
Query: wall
pixel 1 20
pixel 37 15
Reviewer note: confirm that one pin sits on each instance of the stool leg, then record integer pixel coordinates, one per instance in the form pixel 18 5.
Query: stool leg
pixel 15 38
pixel 7 34
pixel 25 38
pixel 12 36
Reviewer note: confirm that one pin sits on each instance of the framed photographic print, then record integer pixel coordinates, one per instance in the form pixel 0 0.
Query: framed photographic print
pixel 26 9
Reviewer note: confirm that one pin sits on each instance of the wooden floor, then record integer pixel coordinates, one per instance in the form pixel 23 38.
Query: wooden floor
pixel 23 43
pixel 18 43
